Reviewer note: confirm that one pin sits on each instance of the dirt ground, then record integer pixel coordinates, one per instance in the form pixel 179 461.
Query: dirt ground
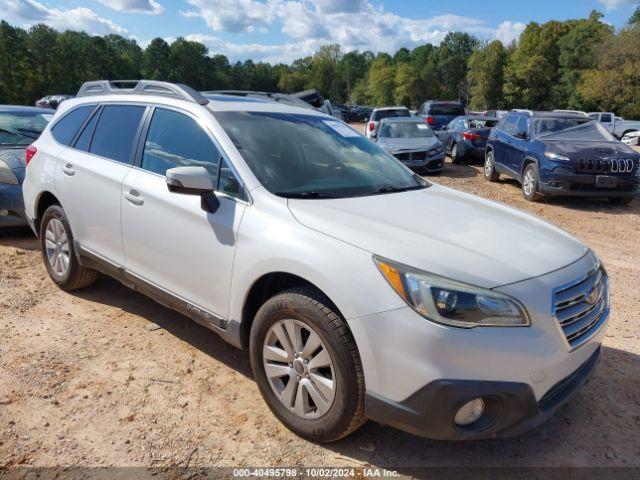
pixel 107 377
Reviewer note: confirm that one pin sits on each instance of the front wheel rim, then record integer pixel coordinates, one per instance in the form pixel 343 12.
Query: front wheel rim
pixel 299 368
pixel 57 246
pixel 488 166
pixel 529 182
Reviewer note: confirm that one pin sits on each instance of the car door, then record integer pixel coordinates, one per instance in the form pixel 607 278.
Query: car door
pixel 519 146
pixel 170 242
pixel 89 178
pixel 504 155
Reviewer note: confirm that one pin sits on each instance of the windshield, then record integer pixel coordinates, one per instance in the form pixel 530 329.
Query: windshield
pixel 482 123
pixel 22 128
pixel 405 130
pixel 400 112
pixel 446 109
pixel 310 156
pixel 573 129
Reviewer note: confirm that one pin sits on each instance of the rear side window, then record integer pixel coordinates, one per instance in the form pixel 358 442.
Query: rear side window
pixel 176 140
pixel 400 112
pixel 65 129
pixel 445 109
pixel 116 130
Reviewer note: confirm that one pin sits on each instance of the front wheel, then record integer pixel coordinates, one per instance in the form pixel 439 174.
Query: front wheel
pixel 530 183
pixel 307 366
pixel 490 173
pixel 58 251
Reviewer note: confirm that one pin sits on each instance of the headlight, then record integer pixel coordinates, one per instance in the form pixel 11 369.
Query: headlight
pixel 450 302
pixel 556 156
pixel 6 175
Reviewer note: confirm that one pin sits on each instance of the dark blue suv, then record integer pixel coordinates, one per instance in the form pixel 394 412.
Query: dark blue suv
pixel 552 153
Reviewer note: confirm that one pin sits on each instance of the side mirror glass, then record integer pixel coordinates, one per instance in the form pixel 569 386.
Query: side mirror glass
pixel 189 180
pixel 374 136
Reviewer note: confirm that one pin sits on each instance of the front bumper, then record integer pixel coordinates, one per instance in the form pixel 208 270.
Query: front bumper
pixel 511 407
pixel 11 206
pixel 418 373
pixel 583 185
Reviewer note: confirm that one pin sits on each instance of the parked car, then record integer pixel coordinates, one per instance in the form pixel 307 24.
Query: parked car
pixel 412 142
pixel 438 114
pixel 360 113
pixel 19 127
pixel 575 112
pixel 496 113
pixel 465 138
pixel 553 153
pixel 619 127
pixel 632 138
pixel 378 114
pixel 360 289
pixel 52 101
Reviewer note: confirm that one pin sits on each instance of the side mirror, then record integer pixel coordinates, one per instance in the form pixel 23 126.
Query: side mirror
pixel 374 136
pixel 521 135
pixel 193 181
pixel 189 180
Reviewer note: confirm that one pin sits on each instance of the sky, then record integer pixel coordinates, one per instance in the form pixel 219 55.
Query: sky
pixel 283 30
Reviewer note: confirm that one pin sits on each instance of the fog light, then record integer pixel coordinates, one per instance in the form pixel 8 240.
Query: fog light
pixel 469 412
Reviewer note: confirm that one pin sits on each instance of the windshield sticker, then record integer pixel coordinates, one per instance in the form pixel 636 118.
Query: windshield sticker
pixel 341 128
pixel 422 127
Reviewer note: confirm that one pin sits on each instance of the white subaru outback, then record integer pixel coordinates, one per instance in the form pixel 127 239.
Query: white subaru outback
pixel 360 289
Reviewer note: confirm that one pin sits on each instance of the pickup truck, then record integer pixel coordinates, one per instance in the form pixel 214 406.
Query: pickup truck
pixel 616 125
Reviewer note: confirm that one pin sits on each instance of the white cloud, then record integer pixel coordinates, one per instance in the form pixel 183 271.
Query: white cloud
pixel 29 12
pixel 354 24
pixel 150 7
pixel 613 4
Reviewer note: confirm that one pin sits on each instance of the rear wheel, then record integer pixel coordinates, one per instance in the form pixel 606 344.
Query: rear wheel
pixel 621 200
pixel 307 366
pixel 530 183
pixel 490 173
pixel 455 156
pixel 58 252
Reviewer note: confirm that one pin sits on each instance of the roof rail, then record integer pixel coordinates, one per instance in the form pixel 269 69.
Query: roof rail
pixel 141 87
pixel 523 110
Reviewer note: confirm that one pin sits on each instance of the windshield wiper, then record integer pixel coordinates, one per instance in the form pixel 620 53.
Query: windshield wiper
pixel 11 132
pixel 310 194
pixel 391 189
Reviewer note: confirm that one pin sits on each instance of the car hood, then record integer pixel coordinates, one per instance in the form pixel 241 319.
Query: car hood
pixel 408 143
pixel 14 157
pixel 587 150
pixel 445 232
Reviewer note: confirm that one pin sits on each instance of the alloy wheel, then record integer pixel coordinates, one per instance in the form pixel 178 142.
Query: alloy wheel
pixel 529 182
pixel 299 368
pixel 488 165
pixel 57 246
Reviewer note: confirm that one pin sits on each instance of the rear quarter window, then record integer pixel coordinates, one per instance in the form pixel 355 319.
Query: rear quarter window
pixel 66 128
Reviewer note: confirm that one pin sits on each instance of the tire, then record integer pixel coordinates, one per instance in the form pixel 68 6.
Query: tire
pixel 306 310
pixel 58 252
pixel 530 183
pixel 490 173
pixel 621 200
pixel 455 158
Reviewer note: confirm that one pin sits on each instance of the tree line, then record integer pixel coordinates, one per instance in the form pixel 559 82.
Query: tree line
pixel 579 64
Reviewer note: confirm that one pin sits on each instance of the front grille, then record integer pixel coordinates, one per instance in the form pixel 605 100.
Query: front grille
pixel 582 306
pixel 411 156
pixel 606 166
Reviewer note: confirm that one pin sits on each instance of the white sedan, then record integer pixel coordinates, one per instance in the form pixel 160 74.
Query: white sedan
pixel 632 138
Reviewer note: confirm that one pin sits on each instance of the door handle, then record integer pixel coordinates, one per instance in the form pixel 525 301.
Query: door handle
pixel 68 170
pixel 134 197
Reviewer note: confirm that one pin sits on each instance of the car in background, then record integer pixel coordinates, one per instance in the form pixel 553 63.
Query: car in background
pixel 555 153
pixel 575 112
pixel 438 114
pixel 19 128
pixel 412 142
pixel 465 138
pixel 632 139
pixel 378 114
pixel 52 101
pixel 496 113
pixel 619 127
